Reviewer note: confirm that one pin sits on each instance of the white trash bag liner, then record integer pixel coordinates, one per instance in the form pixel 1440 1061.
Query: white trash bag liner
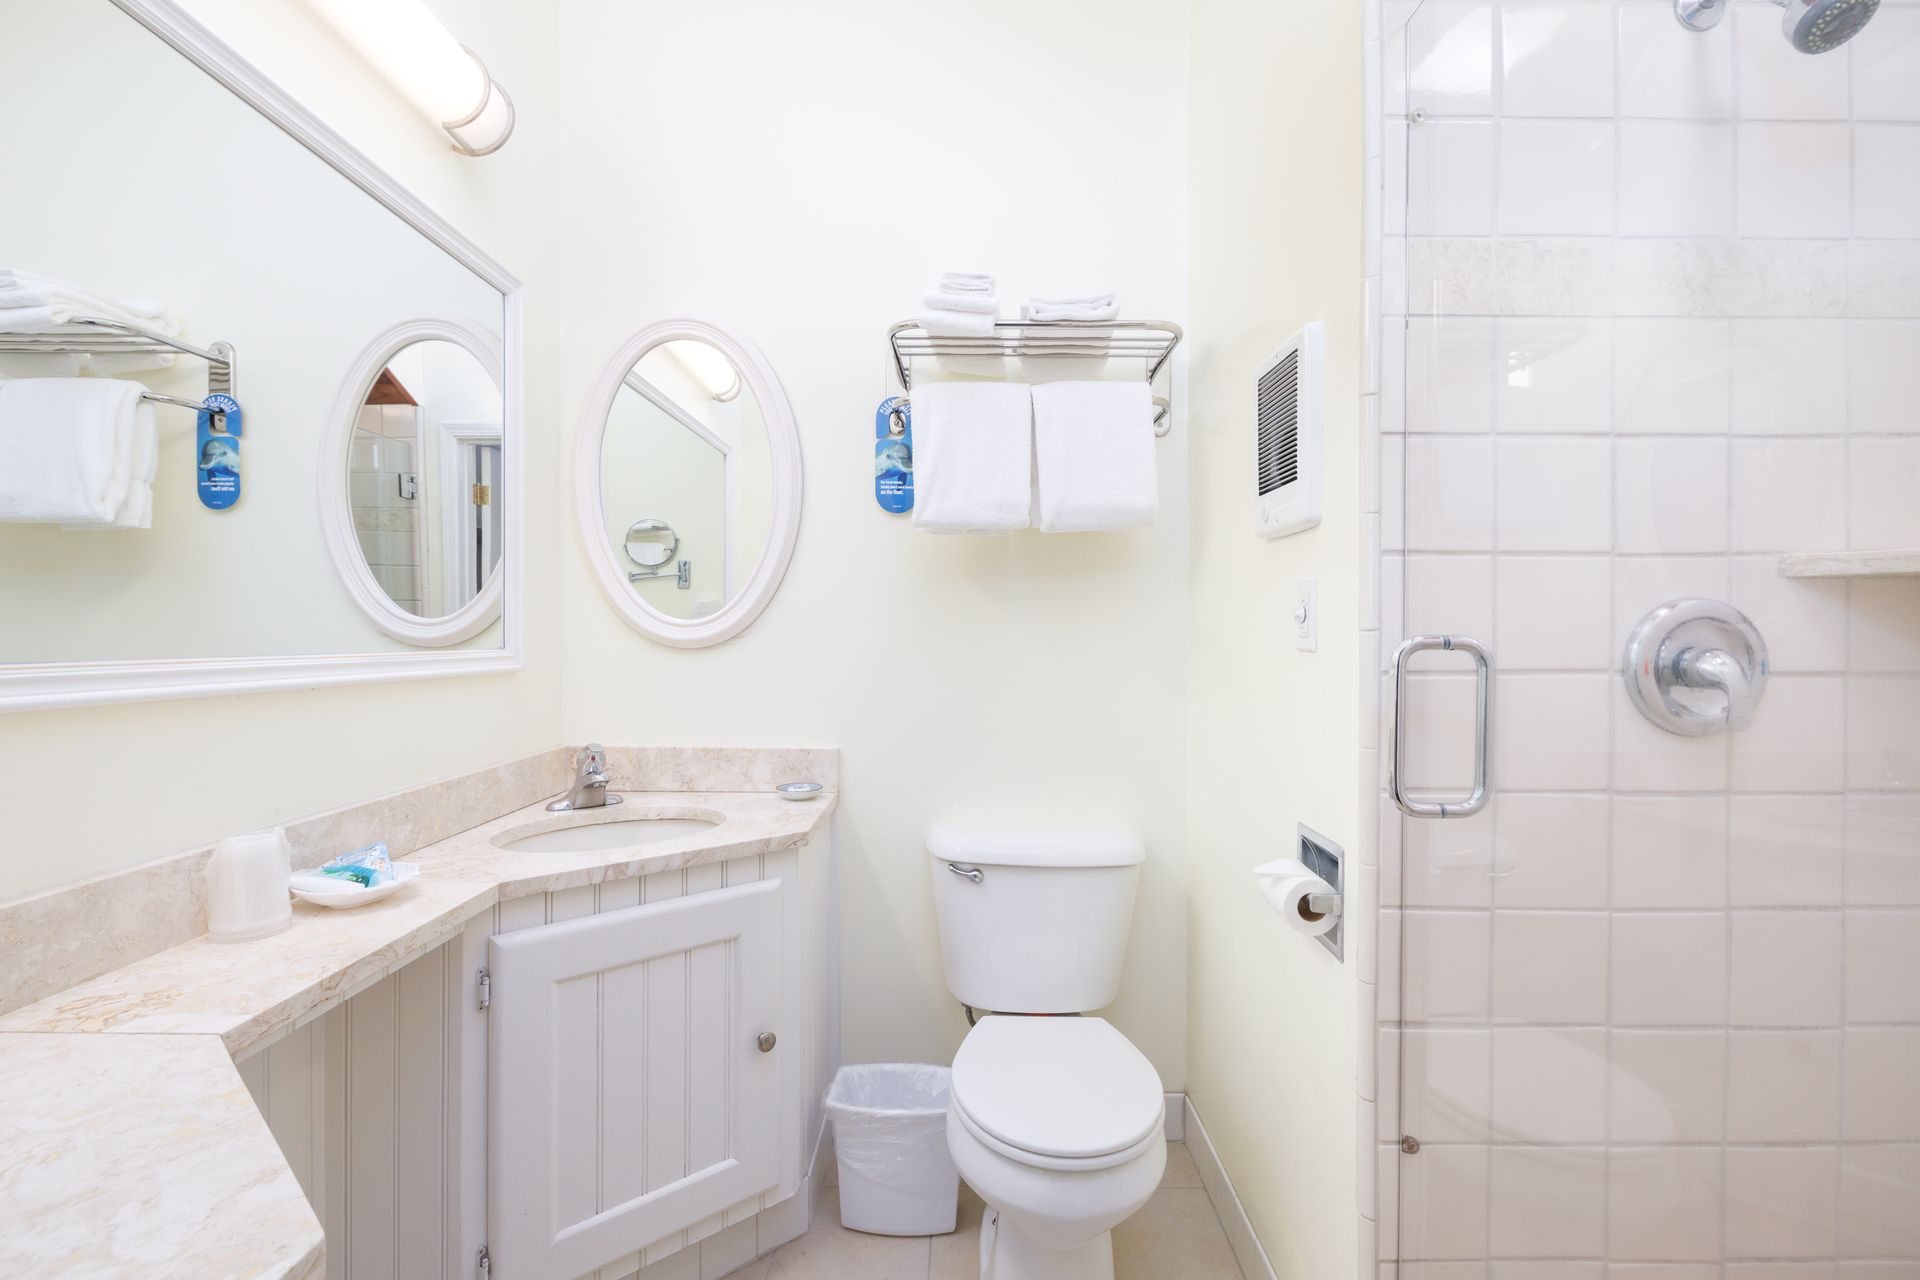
pixel 890 1138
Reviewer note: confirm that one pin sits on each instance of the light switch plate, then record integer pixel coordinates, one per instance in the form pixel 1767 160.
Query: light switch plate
pixel 1306 615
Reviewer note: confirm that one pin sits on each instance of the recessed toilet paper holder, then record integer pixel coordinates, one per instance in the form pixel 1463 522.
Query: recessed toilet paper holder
pixel 1326 860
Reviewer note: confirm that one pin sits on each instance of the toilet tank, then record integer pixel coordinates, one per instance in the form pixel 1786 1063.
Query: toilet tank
pixel 1034 922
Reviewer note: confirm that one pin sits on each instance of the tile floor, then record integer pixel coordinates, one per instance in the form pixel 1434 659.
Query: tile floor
pixel 1176 1237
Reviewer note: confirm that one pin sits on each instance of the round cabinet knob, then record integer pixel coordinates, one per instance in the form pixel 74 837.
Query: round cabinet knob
pixel 767 1041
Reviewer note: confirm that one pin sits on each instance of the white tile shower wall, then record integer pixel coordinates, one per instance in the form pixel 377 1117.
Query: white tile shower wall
pixel 1662 324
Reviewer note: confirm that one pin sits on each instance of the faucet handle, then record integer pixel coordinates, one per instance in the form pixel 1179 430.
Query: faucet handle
pixel 593 759
pixel 1696 666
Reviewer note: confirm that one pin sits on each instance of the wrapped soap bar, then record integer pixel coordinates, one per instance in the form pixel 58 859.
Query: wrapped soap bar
pixel 369 866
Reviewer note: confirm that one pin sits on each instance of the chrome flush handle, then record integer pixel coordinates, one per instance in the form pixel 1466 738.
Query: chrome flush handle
pixel 974 874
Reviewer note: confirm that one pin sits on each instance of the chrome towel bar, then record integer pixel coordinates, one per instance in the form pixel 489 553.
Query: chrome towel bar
pixel 1149 341
pixel 96 336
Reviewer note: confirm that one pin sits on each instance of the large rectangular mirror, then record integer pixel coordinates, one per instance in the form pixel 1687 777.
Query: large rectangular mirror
pixel 375 357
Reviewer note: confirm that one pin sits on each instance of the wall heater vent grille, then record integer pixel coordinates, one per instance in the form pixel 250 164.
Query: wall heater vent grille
pixel 1288 419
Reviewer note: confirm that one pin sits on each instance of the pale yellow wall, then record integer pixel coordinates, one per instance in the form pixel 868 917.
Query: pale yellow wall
pixel 83 791
pixel 1272 733
pixel 653 467
pixel 803 172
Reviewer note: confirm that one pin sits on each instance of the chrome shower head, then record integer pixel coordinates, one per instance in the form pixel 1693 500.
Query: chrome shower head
pixel 1811 26
pixel 1818 26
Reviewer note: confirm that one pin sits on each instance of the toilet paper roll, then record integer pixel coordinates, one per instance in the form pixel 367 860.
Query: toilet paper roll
pixel 1286 884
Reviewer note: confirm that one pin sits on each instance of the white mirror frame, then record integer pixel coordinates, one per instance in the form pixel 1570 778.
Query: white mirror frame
pixel 783 445
pixel 35 686
pixel 336 509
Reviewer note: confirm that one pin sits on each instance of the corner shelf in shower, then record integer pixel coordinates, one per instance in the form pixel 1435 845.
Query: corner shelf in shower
pixel 1149 341
pixel 1904 563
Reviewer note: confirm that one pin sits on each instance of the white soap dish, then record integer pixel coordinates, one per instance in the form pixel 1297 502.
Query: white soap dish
pixel 345 893
pixel 799 790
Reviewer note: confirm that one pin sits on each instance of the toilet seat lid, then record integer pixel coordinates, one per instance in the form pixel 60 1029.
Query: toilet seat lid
pixel 1072 1088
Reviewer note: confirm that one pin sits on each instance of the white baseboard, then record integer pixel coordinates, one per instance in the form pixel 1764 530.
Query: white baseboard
pixel 1247 1251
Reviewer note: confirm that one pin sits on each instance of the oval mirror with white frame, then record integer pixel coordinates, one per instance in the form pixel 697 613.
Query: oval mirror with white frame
pixel 411 481
pixel 688 482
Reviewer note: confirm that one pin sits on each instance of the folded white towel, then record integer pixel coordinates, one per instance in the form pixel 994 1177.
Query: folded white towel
pixel 968 282
pixel 1092 306
pixel 1094 455
pixel 68 448
pixel 943 322
pixel 983 304
pixel 972 457
pixel 32 303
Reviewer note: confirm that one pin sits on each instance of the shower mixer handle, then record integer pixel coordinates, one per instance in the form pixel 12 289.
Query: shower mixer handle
pixel 1695 667
pixel 1718 669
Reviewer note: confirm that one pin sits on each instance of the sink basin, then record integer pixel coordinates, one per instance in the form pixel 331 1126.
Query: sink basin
pixel 622 833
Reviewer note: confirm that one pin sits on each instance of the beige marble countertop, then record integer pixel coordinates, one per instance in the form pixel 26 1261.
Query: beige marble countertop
pixel 141 1153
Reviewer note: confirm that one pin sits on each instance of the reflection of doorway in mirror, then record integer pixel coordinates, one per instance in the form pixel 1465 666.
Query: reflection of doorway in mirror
pixel 459 411
pixel 470 518
pixel 385 489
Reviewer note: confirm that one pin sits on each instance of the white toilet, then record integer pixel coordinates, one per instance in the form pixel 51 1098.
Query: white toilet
pixel 1057 1122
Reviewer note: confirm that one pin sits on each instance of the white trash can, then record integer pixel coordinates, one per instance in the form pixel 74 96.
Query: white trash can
pixel 890 1139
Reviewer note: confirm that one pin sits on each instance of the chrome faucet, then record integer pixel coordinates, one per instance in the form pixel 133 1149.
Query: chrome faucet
pixel 589 782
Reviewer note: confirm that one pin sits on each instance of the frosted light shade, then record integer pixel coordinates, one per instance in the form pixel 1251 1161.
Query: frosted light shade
pixel 405 43
pixel 712 370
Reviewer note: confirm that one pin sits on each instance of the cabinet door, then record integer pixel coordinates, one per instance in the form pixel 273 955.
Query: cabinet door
pixel 630 1097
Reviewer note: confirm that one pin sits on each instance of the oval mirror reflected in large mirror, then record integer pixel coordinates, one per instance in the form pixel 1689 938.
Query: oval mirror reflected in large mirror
pixel 424 483
pixel 689 482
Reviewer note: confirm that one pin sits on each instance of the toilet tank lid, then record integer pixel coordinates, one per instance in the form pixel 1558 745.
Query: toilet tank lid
pixel 1016 847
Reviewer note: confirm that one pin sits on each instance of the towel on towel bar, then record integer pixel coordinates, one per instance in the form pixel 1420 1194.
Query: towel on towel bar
pixel 963 305
pixel 1092 306
pixel 968 282
pixel 71 450
pixel 972 457
pixel 32 303
pixel 979 304
pixel 1094 455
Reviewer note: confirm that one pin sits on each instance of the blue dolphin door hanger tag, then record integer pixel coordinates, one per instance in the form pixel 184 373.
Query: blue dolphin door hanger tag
pixel 893 455
pixel 218 452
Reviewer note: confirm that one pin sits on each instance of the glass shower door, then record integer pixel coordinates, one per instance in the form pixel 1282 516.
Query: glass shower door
pixel 1653 1010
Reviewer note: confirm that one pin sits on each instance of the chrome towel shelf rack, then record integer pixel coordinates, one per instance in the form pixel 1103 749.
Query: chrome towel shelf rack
pixel 1149 341
pixel 95 336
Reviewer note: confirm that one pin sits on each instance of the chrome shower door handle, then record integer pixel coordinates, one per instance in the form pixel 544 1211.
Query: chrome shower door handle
pixel 1476 800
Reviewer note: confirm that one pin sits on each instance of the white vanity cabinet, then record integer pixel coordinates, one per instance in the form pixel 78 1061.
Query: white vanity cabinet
pixel 610 1107
pixel 643 1066
pixel 656 1053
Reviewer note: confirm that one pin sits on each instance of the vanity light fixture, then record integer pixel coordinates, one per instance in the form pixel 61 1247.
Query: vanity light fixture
pixel 712 370
pixel 444 80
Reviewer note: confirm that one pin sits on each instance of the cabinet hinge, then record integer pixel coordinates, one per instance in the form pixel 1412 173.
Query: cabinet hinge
pixel 486 998
pixel 483 1264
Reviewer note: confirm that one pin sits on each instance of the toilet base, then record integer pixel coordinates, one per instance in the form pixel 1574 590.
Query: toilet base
pixel 1008 1253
